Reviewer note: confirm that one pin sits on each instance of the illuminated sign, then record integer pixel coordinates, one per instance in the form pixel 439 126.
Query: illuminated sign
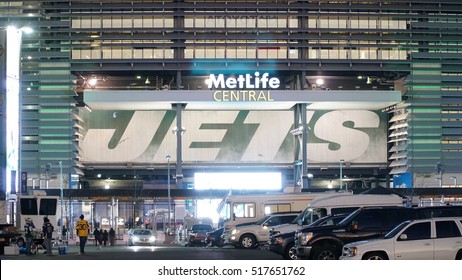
pixel 12 104
pixel 246 81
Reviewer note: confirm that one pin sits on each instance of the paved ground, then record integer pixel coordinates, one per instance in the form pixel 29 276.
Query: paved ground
pixel 163 252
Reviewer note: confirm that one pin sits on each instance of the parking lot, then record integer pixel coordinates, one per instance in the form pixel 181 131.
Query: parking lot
pixel 163 252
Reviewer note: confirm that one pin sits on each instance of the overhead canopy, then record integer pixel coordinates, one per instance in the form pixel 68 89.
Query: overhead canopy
pixel 240 99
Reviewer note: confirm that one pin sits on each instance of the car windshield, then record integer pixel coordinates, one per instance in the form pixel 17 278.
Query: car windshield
pixel 201 228
pixel 262 220
pixel 392 233
pixel 299 217
pixel 142 232
pixel 349 218
pixel 328 221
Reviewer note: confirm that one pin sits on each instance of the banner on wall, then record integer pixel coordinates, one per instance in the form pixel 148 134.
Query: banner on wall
pixel 402 180
pixel 356 136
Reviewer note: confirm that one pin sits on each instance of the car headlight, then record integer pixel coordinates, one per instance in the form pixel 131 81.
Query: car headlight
pixel 152 239
pixel 234 231
pixel 350 251
pixel 304 237
pixel 136 238
pixel 278 240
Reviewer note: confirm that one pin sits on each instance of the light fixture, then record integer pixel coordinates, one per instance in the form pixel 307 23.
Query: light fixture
pixel 107 187
pixel 92 82
pixel 175 130
pixel 299 130
pixel 320 82
pixel 330 185
pixel 147 81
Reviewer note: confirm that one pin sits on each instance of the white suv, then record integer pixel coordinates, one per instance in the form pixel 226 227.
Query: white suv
pixel 429 239
pixel 249 236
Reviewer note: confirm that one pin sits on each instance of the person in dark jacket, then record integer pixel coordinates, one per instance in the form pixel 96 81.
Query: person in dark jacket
pixel 47 229
pixel 96 234
pixel 105 237
pixel 112 236
pixel 28 229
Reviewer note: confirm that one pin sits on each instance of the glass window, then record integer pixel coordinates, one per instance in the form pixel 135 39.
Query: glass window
pixel 274 221
pixel 418 231
pixel 369 220
pixel 446 229
pixel 343 210
pixel 48 206
pixel 244 210
pixel 28 206
pixel 287 219
pixel 271 208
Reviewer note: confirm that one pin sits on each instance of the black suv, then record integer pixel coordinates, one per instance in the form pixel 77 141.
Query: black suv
pixel 283 243
pixel 326 242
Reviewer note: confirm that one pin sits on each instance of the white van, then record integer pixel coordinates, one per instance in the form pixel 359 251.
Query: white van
pixel 337 204
pixel 239 209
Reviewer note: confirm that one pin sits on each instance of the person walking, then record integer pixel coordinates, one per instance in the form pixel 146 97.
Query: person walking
pixel 82 227
pixel 111 237
pixel 28 229
pixel 96 234
pixel 100 238
pixel 47 229
pixel 105 237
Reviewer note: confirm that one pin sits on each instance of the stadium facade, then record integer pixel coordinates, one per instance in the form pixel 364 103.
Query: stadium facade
pixel 105 83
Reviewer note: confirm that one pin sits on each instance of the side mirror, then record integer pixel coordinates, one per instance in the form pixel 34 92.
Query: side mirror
pixel 354 228
pixel 403 237
pixel 300 222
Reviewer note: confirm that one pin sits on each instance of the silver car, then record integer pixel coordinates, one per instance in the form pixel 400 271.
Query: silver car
pixel 141 237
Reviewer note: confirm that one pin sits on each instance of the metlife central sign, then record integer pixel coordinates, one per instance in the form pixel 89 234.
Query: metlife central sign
pixel 256 87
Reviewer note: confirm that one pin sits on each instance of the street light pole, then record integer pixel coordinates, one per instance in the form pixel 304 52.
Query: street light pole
pixel 61 190
pixel 168 187
pixel 341 175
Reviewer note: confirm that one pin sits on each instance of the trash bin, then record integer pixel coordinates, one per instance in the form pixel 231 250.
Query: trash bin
pixel 62 250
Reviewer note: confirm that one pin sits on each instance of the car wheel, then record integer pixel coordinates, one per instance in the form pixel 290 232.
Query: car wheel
pixel 459 255
pixel 290 253
pixel 247 241
pixel 326 252
pixel 130 243
pixel 375 256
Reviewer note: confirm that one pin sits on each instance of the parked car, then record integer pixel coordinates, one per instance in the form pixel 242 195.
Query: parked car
pixel 365 223
pixel 141 237
pixel 197 234
pixel 213 238
pixel 249 236
pixel 283 243
pixel 429 239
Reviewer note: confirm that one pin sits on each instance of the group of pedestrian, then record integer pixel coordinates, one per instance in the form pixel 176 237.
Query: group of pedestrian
pixel 101 237
pixel 47 231
pixel 82 229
